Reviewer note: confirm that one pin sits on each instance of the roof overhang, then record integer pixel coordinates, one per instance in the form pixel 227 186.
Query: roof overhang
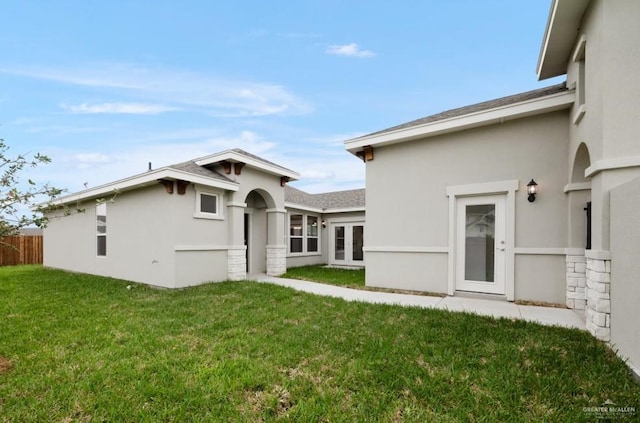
pixel 145 179
pixel 520 110
pixel 236 157
pixel 563 26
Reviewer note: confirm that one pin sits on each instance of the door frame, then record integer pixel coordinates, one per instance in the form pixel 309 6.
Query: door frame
pixel 507 188
pixel 350 222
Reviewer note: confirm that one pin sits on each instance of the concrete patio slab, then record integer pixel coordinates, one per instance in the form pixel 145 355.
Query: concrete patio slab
pixel 548 316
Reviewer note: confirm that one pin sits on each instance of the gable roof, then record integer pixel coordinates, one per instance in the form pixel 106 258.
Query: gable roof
pixel 238 155
pixel 530 103
pixel 563 25
pixel 148 178
pixel 328 202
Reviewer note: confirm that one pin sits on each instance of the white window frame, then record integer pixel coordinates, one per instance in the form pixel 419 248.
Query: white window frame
pixel 305 236
pixel 101 210
pixel 204 215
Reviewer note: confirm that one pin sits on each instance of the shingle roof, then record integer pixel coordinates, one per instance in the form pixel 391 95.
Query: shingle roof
pixel 478 107
pixel 191 167
pixel 327 200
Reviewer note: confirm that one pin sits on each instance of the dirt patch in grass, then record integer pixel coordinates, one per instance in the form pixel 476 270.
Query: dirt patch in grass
pixel 5 365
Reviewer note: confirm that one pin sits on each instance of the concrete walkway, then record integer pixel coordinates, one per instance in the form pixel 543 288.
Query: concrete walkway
pixel 544 315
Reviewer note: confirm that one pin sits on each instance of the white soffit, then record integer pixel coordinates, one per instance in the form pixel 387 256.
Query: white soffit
pixel 473 120
pixel 560 36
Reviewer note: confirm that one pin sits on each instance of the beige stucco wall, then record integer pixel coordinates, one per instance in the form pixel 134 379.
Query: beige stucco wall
pixel 610 125
pixel 145 227
pixel 140 238
pixel 625 270
pixel 407 205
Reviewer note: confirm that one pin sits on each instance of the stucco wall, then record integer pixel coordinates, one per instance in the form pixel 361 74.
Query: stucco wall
pixel 610 124
pixel 140 238
pixel 407 205
pixel 625 270
pixel 145 227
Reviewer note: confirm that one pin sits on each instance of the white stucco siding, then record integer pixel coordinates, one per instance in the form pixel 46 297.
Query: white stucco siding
pixel 540 277
pixel 140 238
pixel 408 209
pixel 197 267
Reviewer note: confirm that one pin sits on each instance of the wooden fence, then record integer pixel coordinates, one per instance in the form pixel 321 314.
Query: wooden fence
pixel 15 250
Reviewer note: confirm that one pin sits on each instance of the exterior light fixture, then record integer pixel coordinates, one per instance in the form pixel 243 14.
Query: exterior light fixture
pixel 532 190
pixel 324 224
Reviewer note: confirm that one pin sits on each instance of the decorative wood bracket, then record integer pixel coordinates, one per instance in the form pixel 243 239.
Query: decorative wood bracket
pixel 168 185
pixel 237 168
pixel 284 180
pixel 182 186
pixel 227 166
pixel 366 154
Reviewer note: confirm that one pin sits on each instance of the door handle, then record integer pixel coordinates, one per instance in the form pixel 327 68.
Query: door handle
pixel 500 249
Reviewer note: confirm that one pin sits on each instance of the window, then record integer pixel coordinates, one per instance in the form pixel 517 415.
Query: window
pixel 295 233
pixel 101 230
pixel 304 236
pixel 579 58
pixel 312 234
pixel 207 205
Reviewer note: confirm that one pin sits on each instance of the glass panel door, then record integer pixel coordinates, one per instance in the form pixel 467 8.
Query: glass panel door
pixel 339 243
pixel 480 242
pixel 357 241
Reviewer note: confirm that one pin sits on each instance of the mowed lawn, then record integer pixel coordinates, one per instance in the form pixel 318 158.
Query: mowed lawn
pixel 79 348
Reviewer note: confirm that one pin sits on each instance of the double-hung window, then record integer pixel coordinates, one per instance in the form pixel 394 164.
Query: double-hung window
pixel 101 230
pixel 304 236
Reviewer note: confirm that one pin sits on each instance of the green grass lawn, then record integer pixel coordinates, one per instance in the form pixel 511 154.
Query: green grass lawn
pixel 78 348
pixel 350 278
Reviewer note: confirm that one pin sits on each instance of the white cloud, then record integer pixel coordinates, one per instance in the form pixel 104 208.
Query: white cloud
pixel 172 89
pixel 349 50
pixel 119 108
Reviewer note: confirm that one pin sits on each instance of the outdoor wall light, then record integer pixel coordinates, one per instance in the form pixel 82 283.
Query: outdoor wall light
pixel 532 190
pixel 324 224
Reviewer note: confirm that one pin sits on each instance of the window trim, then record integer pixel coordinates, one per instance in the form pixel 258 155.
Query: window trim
pixel 198 214
pixel 305 236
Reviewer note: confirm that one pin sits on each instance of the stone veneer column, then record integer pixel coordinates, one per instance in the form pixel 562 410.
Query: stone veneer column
pixel 276 244
pixel 237 252
pixel 576 281
pixel 237 264
pixel 276 260
pixel 598 292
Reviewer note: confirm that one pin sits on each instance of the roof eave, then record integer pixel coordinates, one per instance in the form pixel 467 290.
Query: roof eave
pixel 234 156
pixel 523 109
pixel 559 37
pixel 144 179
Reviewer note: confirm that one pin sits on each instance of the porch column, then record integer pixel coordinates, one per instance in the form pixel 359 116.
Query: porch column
pixel 598 292
pixel 237 251
pixel 276 245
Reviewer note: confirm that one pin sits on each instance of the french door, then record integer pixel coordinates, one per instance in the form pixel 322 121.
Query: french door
pixel 346 244
pixel 480 244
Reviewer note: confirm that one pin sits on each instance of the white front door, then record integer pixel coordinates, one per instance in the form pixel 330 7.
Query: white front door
pixel 480 244
pixel 346 243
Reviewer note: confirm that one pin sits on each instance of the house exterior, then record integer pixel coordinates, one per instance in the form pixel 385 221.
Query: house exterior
pixel 463 221
pixel 220 217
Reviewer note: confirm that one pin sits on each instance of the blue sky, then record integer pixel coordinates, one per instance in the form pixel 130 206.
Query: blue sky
pixel 103 88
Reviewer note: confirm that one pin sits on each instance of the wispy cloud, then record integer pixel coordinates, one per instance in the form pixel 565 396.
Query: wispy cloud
pixel 349 50
pixel 171 89
pixel 119 108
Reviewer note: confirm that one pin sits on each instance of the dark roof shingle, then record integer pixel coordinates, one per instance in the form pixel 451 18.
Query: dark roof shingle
pixel 478 107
